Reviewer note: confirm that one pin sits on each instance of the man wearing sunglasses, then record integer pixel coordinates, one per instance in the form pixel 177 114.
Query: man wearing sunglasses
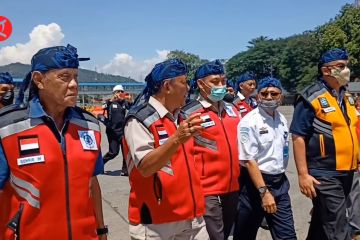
pixel 263 142
pixel 326 146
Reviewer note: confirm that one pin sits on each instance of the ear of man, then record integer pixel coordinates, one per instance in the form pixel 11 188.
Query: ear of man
pixel 38 79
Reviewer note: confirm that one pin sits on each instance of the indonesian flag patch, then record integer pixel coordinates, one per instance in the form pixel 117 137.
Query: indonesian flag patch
pixel 29 145
pixel 163 135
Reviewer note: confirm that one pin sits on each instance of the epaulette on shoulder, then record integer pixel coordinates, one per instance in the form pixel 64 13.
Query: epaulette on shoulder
pixel 236 100
pixel 308 91
pixel 144 113
pixel 191 107
pixel 13 113
pixel 86 115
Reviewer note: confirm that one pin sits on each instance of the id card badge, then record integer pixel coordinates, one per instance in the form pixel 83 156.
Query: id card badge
pixel 230 111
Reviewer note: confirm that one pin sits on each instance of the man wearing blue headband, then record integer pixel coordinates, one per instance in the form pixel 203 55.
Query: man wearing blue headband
pixel 165 199
pixel 245 87
pixel 50 157
pixel 263 141
pixel 6 89
pixel 215 154
pixel 326 145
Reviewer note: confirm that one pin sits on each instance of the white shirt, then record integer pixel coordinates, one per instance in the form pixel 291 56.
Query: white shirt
pixel 264 139
pixel 138 138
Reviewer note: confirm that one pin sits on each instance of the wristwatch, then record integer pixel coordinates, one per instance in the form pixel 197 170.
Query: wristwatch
pixel 262 190
pixel 102 231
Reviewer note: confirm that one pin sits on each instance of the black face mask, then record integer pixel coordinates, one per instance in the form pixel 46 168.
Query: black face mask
pixel 229 97
pixel 8 98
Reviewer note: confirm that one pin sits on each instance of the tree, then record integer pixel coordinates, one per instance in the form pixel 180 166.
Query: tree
pixel 192 61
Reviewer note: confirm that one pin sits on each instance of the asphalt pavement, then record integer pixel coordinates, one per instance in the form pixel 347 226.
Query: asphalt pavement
pixel 115 192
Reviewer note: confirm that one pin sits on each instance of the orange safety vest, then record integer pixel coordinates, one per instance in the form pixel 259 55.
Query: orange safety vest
pixel 216 151
pixel 333 144
pixel 174 192
pixel 47 195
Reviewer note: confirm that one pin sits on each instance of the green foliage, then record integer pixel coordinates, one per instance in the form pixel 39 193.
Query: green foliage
pixel 294 59
pixel 193 61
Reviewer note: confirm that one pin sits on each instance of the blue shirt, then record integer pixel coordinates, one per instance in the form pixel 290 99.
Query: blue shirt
pixel 37 111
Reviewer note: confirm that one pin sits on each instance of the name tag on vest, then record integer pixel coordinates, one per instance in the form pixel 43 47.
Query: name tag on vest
pixel 88 140
pixel 329 109
pixel 30 160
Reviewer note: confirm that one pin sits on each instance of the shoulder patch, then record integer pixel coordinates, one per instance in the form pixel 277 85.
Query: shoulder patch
pixel 244 134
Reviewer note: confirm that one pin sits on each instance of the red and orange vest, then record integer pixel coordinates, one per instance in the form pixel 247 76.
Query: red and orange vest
pixel 174 192
pixel 47 195
pixel 242 106
pixel 216 151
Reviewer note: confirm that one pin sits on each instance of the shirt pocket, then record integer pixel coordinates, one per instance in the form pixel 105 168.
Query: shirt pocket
pixel 266 139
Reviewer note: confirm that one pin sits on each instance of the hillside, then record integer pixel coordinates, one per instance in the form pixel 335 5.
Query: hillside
pixel 19 70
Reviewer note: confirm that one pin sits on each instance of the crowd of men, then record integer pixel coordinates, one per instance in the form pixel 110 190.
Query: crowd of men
pixel 199 168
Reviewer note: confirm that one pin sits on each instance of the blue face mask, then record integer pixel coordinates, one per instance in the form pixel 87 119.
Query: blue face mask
pixel 217 93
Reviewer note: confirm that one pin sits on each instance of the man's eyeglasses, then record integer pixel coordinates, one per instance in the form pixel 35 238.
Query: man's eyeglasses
pixel 340 66
pixel 272 94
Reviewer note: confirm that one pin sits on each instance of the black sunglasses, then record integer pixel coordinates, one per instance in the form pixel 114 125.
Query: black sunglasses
pixel 273 94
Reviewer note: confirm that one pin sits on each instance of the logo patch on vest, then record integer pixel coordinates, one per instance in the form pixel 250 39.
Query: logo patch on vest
pixel 88 140
pixel 351 101
pixel 324 102
pixel 30 160
pixel 163 135
pixel 207 121
pixel 29 145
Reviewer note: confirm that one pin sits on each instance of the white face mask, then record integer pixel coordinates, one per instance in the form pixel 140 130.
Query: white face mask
pixel 342 76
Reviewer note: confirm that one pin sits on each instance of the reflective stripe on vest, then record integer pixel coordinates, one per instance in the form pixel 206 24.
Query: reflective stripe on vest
pixel 334 144
pixel 20 186
pixel 174 192
pixel 216 154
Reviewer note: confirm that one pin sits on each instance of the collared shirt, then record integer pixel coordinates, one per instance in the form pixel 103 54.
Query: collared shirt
pixel 218 107
pixel 37 111
pixel 265 139
pixel 138 138
pixel 215 107
pixel 251 100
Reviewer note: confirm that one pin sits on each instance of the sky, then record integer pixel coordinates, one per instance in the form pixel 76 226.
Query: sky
pixel 128 37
